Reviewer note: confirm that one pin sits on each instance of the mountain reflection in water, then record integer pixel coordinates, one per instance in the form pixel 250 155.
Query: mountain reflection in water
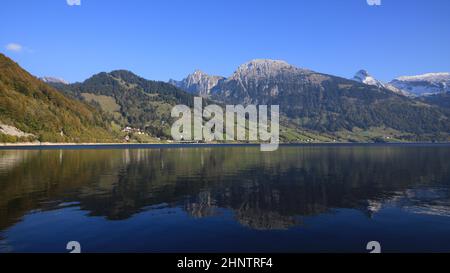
pixel 264 191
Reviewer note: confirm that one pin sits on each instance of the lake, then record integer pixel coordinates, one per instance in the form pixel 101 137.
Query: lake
pixel 329 198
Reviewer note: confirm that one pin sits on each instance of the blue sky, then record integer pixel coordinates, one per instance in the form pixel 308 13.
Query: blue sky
pixel 171 38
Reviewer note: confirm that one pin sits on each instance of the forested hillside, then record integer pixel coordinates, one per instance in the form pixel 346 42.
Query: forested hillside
pixel 43 113
pixel 131 100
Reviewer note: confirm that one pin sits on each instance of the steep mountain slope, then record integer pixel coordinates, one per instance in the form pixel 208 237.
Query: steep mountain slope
pixel 131 100
pixel 441 100
pixel 36 108
pixel 327 103
pixel 423 85
pixel 198 83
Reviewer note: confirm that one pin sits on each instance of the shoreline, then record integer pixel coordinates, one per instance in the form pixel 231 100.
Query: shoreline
pixel 52 145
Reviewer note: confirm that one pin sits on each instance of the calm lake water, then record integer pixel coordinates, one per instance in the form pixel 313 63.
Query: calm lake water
pixel 226 199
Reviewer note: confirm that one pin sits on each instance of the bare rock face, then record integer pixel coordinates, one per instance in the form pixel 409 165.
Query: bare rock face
pixel 247 76
pixel 13 131
pixel 198 83
pixel 262 80
pixel 261 69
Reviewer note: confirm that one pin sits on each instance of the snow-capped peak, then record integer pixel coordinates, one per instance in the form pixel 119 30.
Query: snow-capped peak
pixel 364 77
pixel 431 77
pixel 425 84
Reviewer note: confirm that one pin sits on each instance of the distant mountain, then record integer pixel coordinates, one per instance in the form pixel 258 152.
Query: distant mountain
pixel 261 80
pixel 364 77
pixel 53 80
pixel 131 100
pixel 259 69
pixel 423 85
pixel 198 83
pixel 32 110
pixel 327 103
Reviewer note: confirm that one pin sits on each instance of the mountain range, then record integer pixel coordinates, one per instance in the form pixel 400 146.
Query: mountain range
pixel 329 104
pixel 413 86
pixel 314 106
pixel 424 85
pixel 200 83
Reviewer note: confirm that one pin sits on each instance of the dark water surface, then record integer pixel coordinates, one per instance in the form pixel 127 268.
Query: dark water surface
pixel 226 199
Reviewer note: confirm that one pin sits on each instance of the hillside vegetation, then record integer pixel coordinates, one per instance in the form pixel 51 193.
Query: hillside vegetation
pixel 38 109
pixel 314 107
pixel 131 100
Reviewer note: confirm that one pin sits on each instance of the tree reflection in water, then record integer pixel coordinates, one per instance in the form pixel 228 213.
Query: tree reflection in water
pixel 265 190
